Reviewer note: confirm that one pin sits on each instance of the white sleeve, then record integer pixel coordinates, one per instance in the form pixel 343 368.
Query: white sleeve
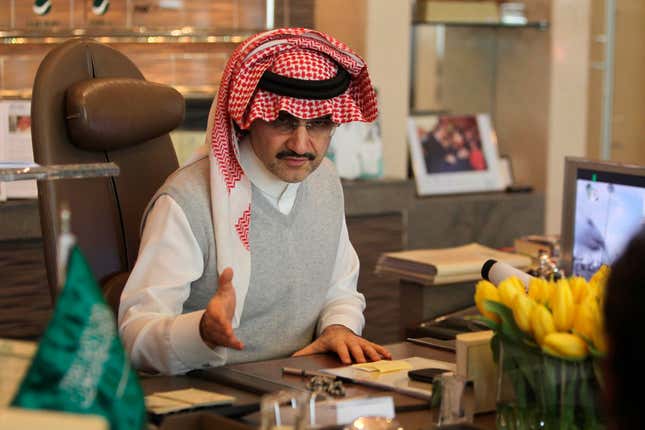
pixel 344 305
pixel 155 333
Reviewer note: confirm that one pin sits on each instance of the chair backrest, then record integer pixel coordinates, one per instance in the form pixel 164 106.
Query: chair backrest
pixel 91 104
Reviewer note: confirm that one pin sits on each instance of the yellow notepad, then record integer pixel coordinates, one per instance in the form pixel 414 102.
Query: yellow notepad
pixel 384 366
pixel 173 401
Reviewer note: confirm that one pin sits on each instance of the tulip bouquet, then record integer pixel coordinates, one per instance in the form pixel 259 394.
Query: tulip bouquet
pixel 547 343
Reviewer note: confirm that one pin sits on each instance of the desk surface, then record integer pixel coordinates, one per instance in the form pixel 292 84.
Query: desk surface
pixel 269 372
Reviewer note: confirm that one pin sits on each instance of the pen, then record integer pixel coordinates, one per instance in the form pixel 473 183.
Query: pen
pixel 305 372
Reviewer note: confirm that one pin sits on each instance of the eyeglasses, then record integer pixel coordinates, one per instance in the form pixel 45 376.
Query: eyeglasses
pixel 317 128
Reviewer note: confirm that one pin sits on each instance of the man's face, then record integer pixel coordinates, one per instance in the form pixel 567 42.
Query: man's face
pixel 289 147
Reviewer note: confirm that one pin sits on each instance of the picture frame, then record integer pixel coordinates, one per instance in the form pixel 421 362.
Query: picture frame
pixel 454 154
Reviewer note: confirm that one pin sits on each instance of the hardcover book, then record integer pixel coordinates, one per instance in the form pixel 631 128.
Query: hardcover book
pixel 445 265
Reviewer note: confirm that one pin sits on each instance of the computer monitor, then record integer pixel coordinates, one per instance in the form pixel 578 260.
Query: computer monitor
pixel 603 207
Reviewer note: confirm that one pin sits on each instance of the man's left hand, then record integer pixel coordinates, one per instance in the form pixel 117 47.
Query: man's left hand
pixel 346 344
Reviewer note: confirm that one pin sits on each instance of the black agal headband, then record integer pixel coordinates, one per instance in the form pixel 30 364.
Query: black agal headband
pixel 303 88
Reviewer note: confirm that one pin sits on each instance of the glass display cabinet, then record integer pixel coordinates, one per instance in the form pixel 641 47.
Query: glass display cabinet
pixel 183 43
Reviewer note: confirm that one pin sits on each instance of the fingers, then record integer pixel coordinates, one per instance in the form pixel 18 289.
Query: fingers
pixel 371 352
pixel 226 278
pixel 307 350
pixel 382 351
pixel 235 343
pixel 363 350
pixel 343 353
pixel 214 337
pixel 357 352
pixel 216 328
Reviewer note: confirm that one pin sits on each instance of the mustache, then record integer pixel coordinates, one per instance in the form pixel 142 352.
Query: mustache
pixel 288 153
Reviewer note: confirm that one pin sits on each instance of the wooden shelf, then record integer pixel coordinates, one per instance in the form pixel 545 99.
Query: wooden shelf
pixel 539 25
pixel 134 35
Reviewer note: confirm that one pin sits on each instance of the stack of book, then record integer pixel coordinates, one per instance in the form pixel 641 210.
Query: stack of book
pixel 533 244
pixel 445 265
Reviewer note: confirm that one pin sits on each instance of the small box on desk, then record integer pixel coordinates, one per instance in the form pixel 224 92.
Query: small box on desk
pixel 475 362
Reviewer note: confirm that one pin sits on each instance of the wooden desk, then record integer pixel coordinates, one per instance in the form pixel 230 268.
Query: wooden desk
pixel 270 372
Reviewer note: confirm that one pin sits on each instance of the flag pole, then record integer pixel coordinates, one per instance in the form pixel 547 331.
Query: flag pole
pixel 66 241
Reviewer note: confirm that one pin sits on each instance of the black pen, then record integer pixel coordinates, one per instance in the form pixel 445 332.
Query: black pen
pixel 304 372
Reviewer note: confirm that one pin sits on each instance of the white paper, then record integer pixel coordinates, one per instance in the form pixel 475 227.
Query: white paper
pixel 15 144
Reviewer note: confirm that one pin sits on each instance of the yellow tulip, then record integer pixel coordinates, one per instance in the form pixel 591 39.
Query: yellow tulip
pixel 484 290
pixel 599 340
pixel 508 289
pixel 562 306
pixel 550 290
pixel 565 345
pixel 579 288
pixel 585 319
pixel 598 336
pixel 601 276
pixel 522 308
pixel 597 291
pixel 541 322
pixel 539 290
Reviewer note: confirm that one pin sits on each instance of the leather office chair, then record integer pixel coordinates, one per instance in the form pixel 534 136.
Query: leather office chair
pixel 91 104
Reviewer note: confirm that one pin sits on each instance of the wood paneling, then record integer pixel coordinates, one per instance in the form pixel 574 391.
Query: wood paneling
pixel 371 236
pixel 25 303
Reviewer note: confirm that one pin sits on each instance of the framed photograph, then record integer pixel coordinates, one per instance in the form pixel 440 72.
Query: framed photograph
pixel 454 154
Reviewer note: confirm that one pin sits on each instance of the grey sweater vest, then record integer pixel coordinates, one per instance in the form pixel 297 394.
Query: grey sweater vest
pixel 292 258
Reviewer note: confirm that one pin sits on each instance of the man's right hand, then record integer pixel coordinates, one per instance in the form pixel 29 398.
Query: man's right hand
pixel 215 326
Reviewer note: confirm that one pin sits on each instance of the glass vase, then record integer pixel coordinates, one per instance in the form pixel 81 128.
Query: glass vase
pixel 538 391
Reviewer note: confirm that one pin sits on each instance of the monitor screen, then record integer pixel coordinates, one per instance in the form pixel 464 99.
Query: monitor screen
pixel 604 206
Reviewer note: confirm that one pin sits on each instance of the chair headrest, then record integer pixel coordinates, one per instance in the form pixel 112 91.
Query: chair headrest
pixel 104 114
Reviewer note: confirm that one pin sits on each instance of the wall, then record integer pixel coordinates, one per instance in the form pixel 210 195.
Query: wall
pixel 570 40
pixel 350 26
pixel 596 75
pixel 628 143
pixel 628 127
pixel 388 56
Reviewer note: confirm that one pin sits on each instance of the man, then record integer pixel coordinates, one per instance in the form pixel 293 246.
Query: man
pixel 245 254
pixel 436 147
pixel 623 310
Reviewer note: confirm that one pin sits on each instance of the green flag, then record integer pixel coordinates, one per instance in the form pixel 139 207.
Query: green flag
pixel 80 365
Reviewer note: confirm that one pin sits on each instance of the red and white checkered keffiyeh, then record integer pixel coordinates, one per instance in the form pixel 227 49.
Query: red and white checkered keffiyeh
pixel 295 53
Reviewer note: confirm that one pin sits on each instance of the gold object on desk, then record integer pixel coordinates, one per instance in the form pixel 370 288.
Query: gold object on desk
pixel 18 418
pixel 15 356
pixel 384 366
pixel 165 402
